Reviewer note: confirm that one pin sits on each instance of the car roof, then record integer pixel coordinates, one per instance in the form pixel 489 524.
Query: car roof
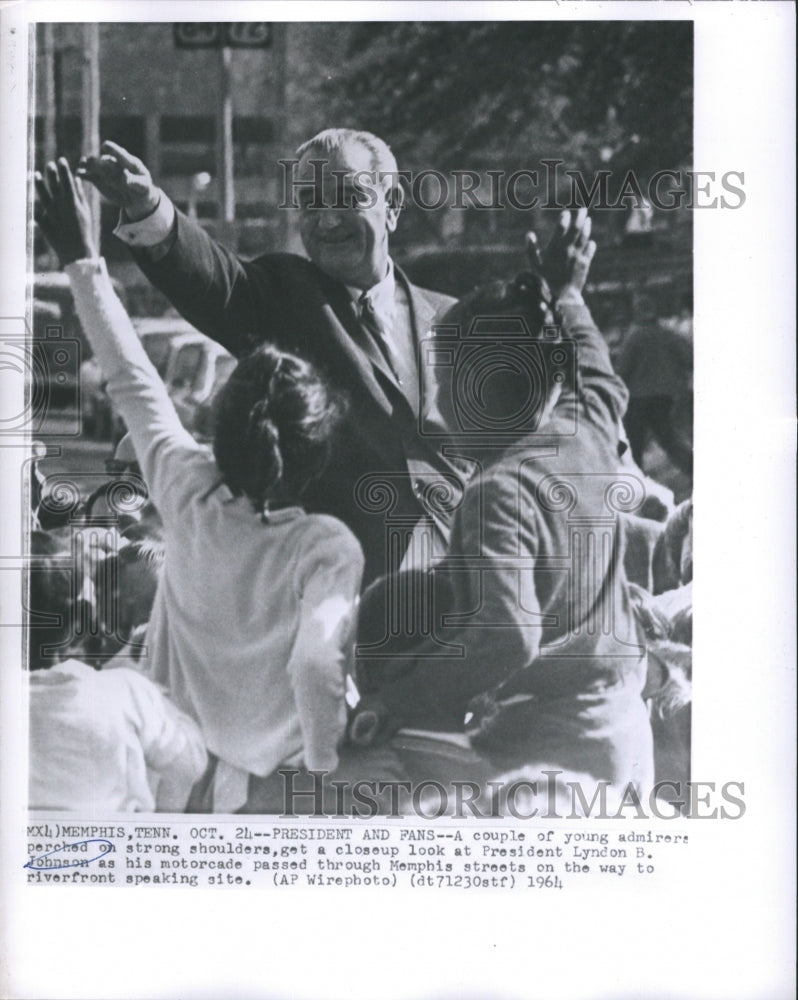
pixel 50 279
pixel 49 284
pixel 163 324
pixel 213 349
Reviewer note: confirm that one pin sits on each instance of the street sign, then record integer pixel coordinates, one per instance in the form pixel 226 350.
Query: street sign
pixel 215 34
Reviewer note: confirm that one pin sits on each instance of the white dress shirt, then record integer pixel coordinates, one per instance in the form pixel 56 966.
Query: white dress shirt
pixel 252 626
pixel 108 741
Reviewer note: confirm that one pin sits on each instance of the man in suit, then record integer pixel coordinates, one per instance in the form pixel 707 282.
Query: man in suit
pixel 348 309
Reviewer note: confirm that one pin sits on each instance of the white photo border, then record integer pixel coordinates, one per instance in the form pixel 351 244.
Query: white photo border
pixel 722 927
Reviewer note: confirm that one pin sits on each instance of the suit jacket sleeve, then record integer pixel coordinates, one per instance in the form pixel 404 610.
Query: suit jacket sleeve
pixel 235 302
pixel 498 619
pixel 601 394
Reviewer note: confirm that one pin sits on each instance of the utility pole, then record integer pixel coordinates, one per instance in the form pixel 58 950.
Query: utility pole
pixel 279 45
pixel 91 113
pixel 49 144
pixel 224 145
pixel 224 36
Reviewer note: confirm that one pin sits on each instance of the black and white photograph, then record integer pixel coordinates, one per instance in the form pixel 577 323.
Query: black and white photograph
pixel 404 492
pixel 361 366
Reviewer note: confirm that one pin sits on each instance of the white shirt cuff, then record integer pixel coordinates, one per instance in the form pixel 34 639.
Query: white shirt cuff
pixel 230 788
pixel 570 297
pixel 85 269
pixel 152 230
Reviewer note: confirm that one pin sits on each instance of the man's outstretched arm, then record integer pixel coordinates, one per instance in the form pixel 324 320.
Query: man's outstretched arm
pixel 206 282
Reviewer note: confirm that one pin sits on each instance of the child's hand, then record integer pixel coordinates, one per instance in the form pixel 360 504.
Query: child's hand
pixel 62 213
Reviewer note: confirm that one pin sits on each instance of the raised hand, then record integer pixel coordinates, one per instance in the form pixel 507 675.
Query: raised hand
pixel 62 213
pixel 566 261
pixel 122 179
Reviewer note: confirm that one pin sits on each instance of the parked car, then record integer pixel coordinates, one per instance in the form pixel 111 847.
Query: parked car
pixel 157 334
pixel 192 366
pixel 59 343
pixel 198 368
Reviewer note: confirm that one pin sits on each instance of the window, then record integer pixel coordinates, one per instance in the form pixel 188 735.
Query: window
pixel 251 139
pixel 157 347
pixel 187 366
pixel 68 137
pixel 126 130
pixel 188 145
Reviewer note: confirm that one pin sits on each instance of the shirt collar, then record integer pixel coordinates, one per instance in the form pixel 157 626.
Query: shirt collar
pixel 382 294
pixel 280 514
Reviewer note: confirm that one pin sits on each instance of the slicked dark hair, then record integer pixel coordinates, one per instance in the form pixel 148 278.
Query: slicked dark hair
pixel 275 418
pixel 51 600
pixel 526 296
pixel 516 316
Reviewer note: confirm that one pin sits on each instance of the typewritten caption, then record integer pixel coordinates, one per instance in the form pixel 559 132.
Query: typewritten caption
pixel 270 854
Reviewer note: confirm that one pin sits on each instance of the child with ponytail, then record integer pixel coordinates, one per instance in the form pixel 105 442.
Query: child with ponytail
pixel 252 626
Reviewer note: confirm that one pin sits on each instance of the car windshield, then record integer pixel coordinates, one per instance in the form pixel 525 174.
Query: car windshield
pixel 157 347
pixel 187 366
pixel 224 368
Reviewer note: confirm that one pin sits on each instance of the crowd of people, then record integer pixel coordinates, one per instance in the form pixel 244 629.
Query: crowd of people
pixel 419 551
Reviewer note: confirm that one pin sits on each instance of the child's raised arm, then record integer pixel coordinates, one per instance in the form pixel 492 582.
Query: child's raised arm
pixel 63 215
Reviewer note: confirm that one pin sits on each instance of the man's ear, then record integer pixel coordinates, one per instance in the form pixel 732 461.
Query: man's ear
pixel 395 198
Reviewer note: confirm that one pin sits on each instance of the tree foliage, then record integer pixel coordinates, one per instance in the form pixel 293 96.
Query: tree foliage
pixel 481 94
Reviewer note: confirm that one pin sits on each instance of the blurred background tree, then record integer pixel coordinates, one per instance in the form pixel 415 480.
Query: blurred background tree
pixel 504 94
pixel 448 96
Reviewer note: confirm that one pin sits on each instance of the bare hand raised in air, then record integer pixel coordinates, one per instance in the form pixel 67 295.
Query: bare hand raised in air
pixel 62 213
pixel 122 179
pixel 565 263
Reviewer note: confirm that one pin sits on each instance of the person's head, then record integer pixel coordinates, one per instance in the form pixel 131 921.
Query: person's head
pixel 52 601
pixel 351 205
pixel 275 417
pixel 127 585
pixel 510 363
pixel 122 498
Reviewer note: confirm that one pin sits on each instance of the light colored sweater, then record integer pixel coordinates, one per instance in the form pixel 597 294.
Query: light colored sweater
pixel 108 741
pixel 252 626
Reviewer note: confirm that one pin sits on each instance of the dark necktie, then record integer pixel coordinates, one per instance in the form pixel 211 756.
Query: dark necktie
pixel 372 324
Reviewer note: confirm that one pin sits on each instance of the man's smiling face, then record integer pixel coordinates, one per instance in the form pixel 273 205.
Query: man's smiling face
pixel 347 237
